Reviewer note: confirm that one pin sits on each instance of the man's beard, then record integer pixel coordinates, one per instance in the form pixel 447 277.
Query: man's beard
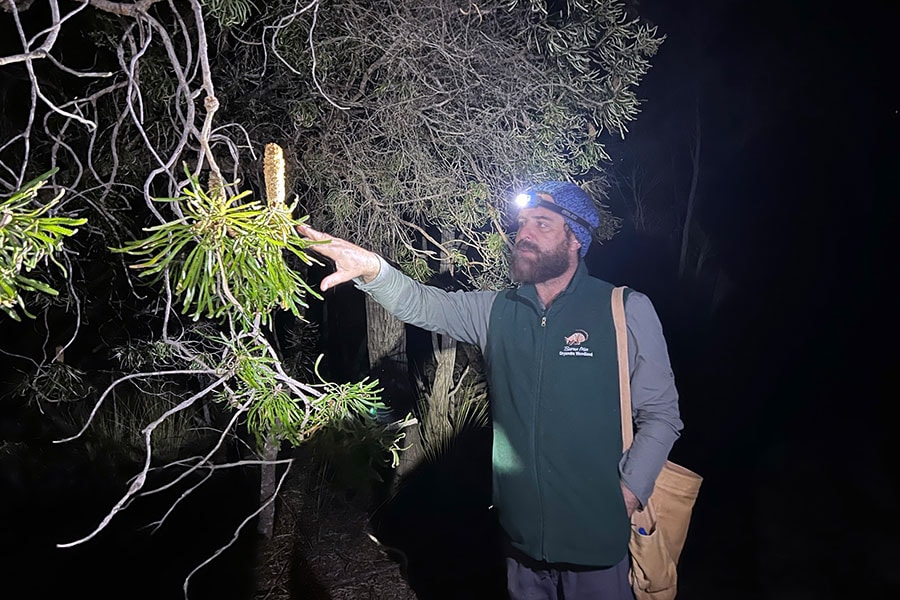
pixel 539 266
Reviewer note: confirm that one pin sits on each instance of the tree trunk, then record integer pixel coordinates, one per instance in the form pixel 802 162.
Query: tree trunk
pixel 437 427
pixel 386 342
pixel 437 421
pixel 268 481
pixel 386 339
pixel 434 426
pixel 265 526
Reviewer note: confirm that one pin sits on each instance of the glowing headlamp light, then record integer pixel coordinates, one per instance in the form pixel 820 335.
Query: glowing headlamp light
pixel 531 199
pixel 525 200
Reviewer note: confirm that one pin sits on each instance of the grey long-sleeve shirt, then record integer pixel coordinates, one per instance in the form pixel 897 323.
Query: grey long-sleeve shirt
pixel 654 398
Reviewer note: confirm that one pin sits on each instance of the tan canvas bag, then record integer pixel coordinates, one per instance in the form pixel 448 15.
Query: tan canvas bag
pixel 665 518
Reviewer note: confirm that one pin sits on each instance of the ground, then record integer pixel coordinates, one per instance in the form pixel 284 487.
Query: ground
pixel 322 547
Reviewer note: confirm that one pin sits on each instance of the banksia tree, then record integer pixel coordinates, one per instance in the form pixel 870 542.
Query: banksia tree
pixel 273 173
pixel 435 114
pixel 227 259
pixel 226 255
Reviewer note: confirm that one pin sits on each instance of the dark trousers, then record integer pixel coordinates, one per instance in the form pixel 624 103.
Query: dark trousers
pixel 527 580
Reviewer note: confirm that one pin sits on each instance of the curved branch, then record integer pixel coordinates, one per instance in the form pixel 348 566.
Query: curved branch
pixel 44 49
pixel 128 378
pixel 239 528
pixel 135 9
pixel 204 461
pixel 141 479
pixel 210 103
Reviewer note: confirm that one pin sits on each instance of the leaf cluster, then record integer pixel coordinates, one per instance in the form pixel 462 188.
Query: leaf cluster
pixel 227 257
pixel 278 409
pixel 53 383
pixel 27 238
pixel 469 411
pixel 230 12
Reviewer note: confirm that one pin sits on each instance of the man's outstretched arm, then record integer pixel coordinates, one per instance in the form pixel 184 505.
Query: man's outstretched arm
pixel 461 315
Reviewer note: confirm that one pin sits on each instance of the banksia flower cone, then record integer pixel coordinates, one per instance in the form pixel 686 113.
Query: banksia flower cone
pixel 216 188
pixel 273 168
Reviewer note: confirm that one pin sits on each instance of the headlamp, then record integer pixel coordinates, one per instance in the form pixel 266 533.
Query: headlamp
pixel 530 199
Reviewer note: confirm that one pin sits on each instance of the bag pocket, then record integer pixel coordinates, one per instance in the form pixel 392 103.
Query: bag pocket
pixel 653 572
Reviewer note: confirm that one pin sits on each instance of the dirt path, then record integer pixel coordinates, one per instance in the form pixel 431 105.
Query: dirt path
pixel 322 549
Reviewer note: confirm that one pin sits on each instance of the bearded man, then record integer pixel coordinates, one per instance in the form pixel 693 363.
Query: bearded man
pixel 563 489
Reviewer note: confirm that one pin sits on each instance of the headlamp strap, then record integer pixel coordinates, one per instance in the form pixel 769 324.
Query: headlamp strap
pixel 537 201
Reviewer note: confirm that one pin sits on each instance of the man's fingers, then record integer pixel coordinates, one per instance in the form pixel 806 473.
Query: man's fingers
pixel 328 250
pixel 313 234
pixel 334 279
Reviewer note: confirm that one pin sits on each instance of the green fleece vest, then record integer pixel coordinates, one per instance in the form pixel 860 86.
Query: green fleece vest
pixel 553 377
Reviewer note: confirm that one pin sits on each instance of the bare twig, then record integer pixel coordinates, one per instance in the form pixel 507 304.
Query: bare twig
pixel 204 462
pixel 141 479
pixel 115 383
pixel 239 528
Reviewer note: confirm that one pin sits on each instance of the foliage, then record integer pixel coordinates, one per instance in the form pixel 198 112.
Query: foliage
pixel 355 455
pixel 230 12
pixel 226 257
pixel 275 410
pixel 435 113
pixel 468 409
pixel 27 238
pixel 139 353
pixel 53 384
pixel 227 261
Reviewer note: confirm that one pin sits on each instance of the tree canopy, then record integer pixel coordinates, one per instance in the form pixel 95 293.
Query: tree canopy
pixel 413 124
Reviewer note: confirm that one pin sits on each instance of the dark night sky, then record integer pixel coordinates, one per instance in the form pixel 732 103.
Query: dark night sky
pixel 800 124
pixel 800 127
pixel 784 393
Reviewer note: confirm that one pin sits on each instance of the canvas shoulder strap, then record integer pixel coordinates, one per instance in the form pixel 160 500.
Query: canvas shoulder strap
pixel 618 310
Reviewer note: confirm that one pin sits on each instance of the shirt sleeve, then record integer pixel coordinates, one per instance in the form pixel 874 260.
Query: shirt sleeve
pixel 654 398
pixel 464 316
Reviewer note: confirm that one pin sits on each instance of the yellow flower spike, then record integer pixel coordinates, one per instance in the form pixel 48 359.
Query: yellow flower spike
pixel 216 187
pixel 273 169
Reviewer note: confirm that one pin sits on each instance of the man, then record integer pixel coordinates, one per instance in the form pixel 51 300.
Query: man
pixel 562 487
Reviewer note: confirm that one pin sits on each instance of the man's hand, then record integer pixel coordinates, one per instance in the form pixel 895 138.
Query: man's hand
pixel 350 260
pixel 631 501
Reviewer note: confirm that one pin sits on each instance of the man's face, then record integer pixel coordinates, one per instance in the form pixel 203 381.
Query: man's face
pixel 544 249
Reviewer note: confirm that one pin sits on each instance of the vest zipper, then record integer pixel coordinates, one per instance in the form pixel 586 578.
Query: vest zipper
pixel 534 429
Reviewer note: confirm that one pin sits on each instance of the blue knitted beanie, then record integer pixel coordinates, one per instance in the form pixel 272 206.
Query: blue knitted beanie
pixel 573 198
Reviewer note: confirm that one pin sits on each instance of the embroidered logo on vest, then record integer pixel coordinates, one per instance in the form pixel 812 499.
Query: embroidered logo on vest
pixel 574 344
